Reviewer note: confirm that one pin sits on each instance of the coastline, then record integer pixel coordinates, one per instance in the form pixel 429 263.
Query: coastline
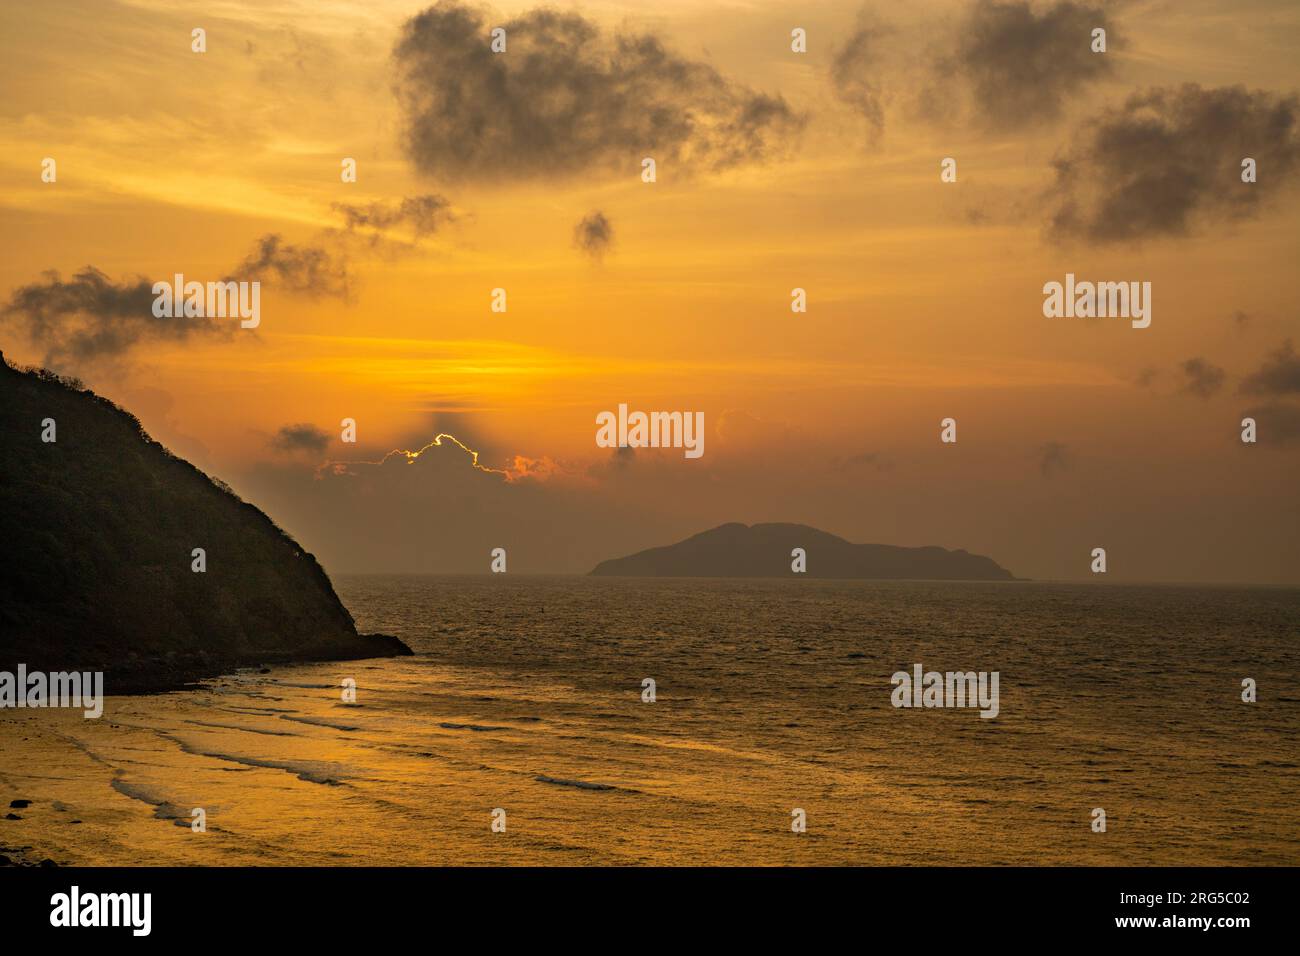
pixel 172 672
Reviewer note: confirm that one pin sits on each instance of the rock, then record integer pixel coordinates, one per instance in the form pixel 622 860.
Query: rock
pixel 5 861
pixel 385 645
pixel 47 862
pixel 12 816
pixel 19 804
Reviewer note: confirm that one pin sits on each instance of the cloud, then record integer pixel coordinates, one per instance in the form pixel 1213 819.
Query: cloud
pixel 89 316
pixel 546 468
pixel 565 98
pixel 310 270
pixel 1242 319
pixel 1145 377
pixel 855 74
pixel 1278 423
pixel 301 437
pixel 422 215
pixel 1001 66
pixel 1052 459
pixel 1201 378
pixel 594 234
pixel 1018 65
pixel 1279 375
pixel 617 463
pixel 443 508
pixel 1168 161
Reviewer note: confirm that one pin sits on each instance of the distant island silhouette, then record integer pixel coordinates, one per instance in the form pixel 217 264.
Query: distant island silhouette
pixel 97 533
pixel 736 550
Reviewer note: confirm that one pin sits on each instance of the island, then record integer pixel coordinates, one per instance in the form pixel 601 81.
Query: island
pixel 737 550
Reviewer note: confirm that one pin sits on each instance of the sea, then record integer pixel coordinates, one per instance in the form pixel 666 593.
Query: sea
pixel 525 730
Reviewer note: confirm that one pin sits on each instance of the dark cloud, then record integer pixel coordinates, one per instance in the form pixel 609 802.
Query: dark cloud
pixel 1052 459
pixel 300 437
pixel 855 74
pixel 310 270
pixel 1169 160
pixel 89 316
pixel 421 215
pixel 1000 66
pixel 1279 375
pixel 1201 378
pixel 619 461
pixel 566 98
pixel 1146 377
pixel 594 234
pixel 1020 64
pixel 1242 319
pixel 1277 423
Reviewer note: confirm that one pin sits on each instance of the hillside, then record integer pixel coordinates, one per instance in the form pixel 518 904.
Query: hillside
pixel 97 530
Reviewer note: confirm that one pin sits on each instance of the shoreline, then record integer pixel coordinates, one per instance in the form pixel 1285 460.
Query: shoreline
pixel 167 674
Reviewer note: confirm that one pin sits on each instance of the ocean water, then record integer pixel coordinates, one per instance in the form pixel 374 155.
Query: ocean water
pixel 525 695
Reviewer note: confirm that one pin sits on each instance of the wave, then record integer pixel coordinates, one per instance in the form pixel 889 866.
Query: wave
pixel 581 784
pixel 321 722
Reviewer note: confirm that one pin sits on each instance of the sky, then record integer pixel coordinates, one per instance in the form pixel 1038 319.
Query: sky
pixel 774 170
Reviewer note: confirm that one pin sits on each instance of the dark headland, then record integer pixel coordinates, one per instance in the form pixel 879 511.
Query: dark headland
pixel 97 530
pixel 764 551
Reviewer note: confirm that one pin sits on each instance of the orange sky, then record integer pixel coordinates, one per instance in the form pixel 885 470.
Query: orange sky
pixel 924 298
